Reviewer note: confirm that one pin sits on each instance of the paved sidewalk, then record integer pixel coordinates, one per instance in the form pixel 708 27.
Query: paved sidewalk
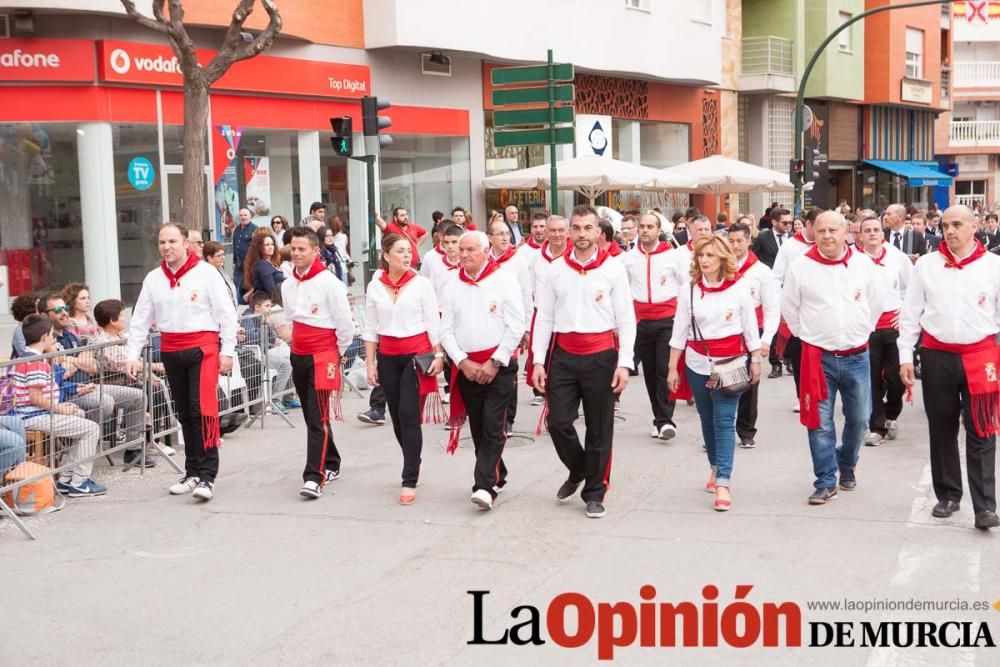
pixel 261 576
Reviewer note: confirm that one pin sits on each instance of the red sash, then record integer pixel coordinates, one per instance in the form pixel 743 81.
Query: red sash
pixel 431 408
pixel 458 414
pixel 655 311
pixel 730 346
pixel 885 320
pixel 980 362
pixel 321 345
pixel 208 380
pixel 587 343
pixel 812 382
pixel 781 339
pixel 175 278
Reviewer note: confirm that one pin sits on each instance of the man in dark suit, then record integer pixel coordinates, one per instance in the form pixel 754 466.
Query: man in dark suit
pixel 989 235
pixel 908 242
pixel 920 228
pixel 766 245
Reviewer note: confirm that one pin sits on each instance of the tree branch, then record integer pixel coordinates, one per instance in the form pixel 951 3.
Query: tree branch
pixel 144 20
pixel 240 15
pixel 224 59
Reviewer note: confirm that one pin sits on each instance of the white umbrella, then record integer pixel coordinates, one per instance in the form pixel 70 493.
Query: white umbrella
pixel 718 175
pixel 590 176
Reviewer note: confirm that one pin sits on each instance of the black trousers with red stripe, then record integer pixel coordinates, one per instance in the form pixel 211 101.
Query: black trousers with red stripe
pixel 321 452
pixel 486 406
pixel 183 371
pixel 573 379
pixel 652 350
pixel 887 387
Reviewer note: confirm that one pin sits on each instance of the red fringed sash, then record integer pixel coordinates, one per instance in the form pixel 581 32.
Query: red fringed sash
pixel 208 380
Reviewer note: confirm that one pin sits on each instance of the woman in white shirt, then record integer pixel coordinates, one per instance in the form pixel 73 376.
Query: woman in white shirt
pixel 341 242
pixel 402 327
pixel 725 325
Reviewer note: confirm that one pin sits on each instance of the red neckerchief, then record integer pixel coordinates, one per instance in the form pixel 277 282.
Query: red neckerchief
pixel 545 253
pixel 507 254
pixel 602 256
pixel 951 263
pixel 877 260
pixel 815 255
pixel 751 260
pixel 726 284
pixel 614 249
pixel 662 247
pixel 801 239
pixel 447 263
pixel 532 243
pixel 689 245
pixel 175 278
pixel 406 277
pixel 316 268
pixel 440 251
pixel 491 267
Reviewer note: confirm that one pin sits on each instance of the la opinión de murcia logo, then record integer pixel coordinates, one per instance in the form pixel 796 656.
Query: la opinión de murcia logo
pixel 121 62
pixel 573 620
pixel 18 58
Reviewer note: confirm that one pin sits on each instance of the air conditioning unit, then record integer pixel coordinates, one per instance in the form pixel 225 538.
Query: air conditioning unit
pixel 4 26
pixel 435 64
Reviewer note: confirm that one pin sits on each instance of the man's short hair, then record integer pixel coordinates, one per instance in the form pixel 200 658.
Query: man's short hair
pixel 630 218
pixel 540 216
pixel 676 216
pixel 437 216
pixel 211 248
pixel 259 297
pixel 34 328
pixel 481 239
pixel 451 229
pixel 458 208
pixel 692 213
pixel 43 303
pixel 396 210
pixel 315 206
pixel 24 305
pixel 607 229
pixel 721 217
pixel 107 311
pixel 779 212
pixel 698 218
pixel 181 229
pixel 740 227
pixel 991 216
pixel 812 214
pixel 582 210
pixel 304 233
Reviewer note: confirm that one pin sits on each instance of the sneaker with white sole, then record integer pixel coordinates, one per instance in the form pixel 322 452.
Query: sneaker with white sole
pixel 482 499
pixel 892 427
pixel 537 401
pixel 667 432
pixel 159 448
pixel 186 485
pixel 311 490
pixel 796 407
pixel 654 432
pixel 203 491
pixel 332 475
pixel 86 489
pixel 873 439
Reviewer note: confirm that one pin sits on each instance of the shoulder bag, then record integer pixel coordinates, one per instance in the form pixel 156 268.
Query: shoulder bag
pixel 730 375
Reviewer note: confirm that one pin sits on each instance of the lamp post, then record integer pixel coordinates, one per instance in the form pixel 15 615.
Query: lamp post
pixel 800 97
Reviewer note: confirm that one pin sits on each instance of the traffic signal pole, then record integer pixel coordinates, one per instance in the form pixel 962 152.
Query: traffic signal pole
pixel 552 136
pixel 800 98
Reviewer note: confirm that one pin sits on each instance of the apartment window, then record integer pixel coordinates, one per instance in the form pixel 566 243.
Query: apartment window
pixel 844 38
pixel 914 53
pixel 642 5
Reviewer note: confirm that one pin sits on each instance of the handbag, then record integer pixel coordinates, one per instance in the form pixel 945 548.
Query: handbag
pixel 422 362
pixel 730 375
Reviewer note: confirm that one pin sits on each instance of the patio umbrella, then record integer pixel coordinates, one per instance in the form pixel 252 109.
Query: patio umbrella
pixel 718 175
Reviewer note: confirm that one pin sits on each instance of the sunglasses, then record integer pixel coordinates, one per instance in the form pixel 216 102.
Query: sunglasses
pixel 59 310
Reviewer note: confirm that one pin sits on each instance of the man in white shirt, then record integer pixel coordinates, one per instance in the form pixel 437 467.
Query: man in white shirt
pixel 481 328
pixel 556 233
pixel 629 231
pixel 787 347
pixel 831 300
pixel 528 251
pixel 441 261
pixel 954 299
pixel 894 269
pixel 583 347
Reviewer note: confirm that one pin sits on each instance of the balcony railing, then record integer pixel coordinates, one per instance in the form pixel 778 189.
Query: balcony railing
pixel 985 74
pixel 970 200
pixel 973 133
pixel 767 55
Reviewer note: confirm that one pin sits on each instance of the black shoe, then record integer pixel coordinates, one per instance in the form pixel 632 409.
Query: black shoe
pixel 747 443
pixel 848 482
pixel 567 490
pixel 595 510
pixel 788 368
pixel 372 416
pixel 133 457
pixel 508 430
pixel 984 520
pixel 775 371
pixel 916 371
pixel 822 496
pixel 945 509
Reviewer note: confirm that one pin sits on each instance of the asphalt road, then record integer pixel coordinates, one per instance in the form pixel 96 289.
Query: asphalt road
pixel 261 576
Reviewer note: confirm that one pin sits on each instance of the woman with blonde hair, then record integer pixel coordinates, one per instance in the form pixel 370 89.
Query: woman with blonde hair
pixel 715 323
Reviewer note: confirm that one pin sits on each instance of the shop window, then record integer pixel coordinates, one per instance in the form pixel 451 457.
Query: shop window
pixel 140 212
pixel 41 230
pixel 664 145
pixel 424 174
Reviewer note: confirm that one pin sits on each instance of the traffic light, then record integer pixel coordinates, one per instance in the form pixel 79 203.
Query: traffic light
pixel 342 139
pixel 795 171
pixel 372 122
pixel 811 172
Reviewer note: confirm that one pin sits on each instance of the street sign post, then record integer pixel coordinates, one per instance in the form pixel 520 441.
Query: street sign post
pixel 554 124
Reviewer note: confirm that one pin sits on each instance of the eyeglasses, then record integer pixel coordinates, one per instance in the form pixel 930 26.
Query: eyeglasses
pixel 59 310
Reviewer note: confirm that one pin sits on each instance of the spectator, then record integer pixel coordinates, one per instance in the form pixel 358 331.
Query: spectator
pixel 460 218
pixel 262 270
pixel 328 252
pixel 285 255
pixel 242 238
pixel 629 233
pixel 77 297
pixel 920 228
pixel 215 254
pixel 36 402
pixel 342 243
pixel 513 219
pixel 412 232
pixel 989 235
pixel 195 243
pixel 316 219
pixel 20 308
pixel 721 221
pixel 13 442
pixel 278 353
pixel 279 225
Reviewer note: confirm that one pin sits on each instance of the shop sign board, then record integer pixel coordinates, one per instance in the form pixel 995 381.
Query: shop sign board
pixel 46 60
pixel 141 173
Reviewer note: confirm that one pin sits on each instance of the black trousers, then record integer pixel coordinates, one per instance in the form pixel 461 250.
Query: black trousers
pixel 746 412
pixel 321 452
pixel 184 375
pixel 794 353
pixel 376 399
pixel 772 355
pixel 571 379
pixel 398 378
pixel 486 406
pixel 946 399
pixel 887 387
pixel 652 350
pixel 512 397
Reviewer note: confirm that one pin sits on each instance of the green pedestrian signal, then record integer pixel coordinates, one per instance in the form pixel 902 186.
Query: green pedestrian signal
pixel 342 139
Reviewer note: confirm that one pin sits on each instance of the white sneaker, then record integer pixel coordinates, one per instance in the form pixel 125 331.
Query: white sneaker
pixel 482 499
pixel 667 431
pixel 796 408
pixel 186 485
pixel 311 490
pixel 893 428
pixel 203 491
pixel 654 432
pixel 537 401
pixel 445 398
pixel 332 475
pixel 160 448
pixel 874 439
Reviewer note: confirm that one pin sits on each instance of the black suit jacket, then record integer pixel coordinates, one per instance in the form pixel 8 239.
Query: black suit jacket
pixel 991 241
pixel 932 242
pixel 765 246
pixel 911 243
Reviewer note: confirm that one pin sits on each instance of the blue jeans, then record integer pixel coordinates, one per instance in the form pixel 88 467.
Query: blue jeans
pixel 717 413
pixel 12 442
pixel 850 376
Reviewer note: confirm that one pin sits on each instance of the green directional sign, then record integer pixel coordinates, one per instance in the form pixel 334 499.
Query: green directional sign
pixel 532 117
pixel 502 76
pixel 562 93
pixel 563 135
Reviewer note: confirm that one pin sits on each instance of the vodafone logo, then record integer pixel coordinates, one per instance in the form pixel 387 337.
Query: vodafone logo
pixel 18 58
pixel 120 61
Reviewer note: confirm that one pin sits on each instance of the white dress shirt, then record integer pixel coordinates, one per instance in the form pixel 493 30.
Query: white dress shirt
pixel 765 294
pixel 653 278
pixel 320 302
pixel 199 302
pixel 480 316
pixel 415 310
pixel 516 270
pixel 729 312
pixel 790 250
pixel 894 271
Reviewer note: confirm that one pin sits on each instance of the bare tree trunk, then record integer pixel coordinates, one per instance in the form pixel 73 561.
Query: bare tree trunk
pixel 195 128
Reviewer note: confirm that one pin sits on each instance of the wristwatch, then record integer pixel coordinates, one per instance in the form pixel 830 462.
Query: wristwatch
pixel 496 363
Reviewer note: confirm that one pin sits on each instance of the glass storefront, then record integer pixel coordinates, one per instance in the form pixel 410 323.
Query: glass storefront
pixel 424 174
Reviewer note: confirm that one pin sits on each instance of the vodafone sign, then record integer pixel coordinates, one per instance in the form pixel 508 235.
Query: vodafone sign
pixel 155 65
pixel 46 60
